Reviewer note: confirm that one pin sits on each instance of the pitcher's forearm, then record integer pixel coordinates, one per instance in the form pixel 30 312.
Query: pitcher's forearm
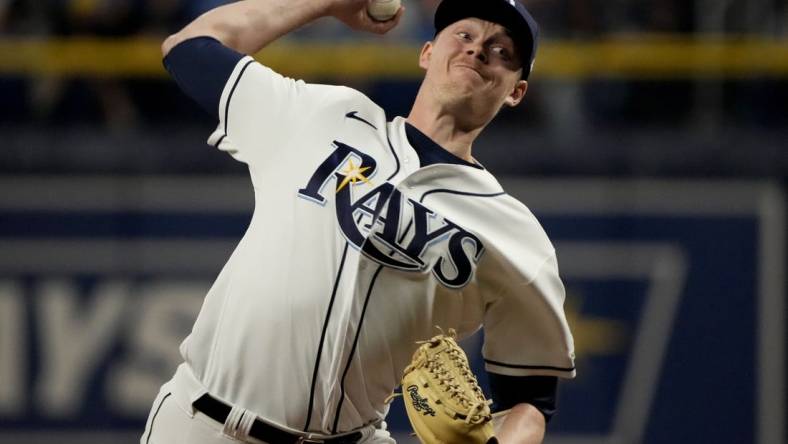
pixel 523 425
pixel 249 25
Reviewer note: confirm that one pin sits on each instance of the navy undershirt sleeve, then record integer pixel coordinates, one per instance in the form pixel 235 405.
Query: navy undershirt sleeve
pixel 201 67
pixel 539 391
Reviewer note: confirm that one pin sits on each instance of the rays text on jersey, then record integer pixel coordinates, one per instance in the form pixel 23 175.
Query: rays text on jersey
pixel 388 227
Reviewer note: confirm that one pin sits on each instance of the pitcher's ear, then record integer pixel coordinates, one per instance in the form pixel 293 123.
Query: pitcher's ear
pixel 517 94
pixel 426 54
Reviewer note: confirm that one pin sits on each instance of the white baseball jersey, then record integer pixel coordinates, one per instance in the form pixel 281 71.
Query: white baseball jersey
pixel 354 253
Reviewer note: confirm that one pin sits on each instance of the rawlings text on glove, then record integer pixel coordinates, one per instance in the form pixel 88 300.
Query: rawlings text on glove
pixel 442 398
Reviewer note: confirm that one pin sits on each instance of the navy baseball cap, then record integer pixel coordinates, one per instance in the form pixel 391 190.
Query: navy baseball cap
pixel 510 14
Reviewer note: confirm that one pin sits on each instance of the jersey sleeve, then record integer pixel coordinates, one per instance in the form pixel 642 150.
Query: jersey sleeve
pixel 262 113
pixel 259 111
pixel 525 327
pixel 526 332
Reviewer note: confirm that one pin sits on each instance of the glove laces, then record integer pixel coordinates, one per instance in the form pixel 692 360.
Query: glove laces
pixel 478 408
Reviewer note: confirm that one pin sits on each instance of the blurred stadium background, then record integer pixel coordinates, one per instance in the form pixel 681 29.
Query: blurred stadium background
pixel 653 145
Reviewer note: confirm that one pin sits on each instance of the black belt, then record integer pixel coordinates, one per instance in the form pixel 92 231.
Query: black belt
pixel 219 411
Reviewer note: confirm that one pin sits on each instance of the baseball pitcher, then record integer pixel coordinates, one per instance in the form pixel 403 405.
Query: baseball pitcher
pixel 368 231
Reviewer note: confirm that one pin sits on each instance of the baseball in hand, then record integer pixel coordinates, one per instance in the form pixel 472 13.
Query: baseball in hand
pixel 383 10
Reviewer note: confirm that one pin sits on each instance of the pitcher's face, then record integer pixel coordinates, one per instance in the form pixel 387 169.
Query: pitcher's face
pixel 474 60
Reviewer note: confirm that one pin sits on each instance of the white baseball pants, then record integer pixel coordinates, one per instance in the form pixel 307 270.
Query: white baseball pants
pixel 173 420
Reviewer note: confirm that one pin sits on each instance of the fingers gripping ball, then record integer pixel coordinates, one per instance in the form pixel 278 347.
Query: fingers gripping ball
pixel 383 10
pixel 444 402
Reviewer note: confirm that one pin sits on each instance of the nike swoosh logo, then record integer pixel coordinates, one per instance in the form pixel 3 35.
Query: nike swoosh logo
pixel 354 115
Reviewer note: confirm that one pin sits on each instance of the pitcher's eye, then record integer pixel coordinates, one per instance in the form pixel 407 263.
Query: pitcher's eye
pixel 502 52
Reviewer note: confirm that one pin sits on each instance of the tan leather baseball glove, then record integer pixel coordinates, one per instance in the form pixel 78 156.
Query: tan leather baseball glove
pixel 442 397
